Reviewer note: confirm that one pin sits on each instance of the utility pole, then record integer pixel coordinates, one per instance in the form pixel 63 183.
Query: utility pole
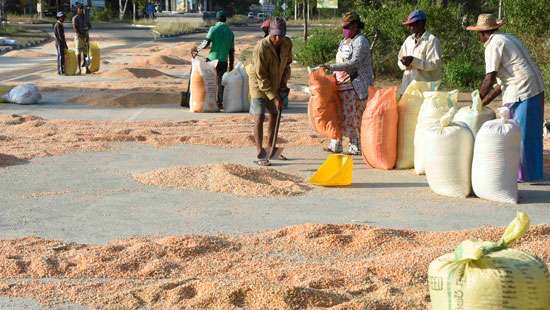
pixel 306 16
pixel 500 9
pixel 295 9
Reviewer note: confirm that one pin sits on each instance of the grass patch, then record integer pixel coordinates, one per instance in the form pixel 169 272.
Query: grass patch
pixel 170 28
pixel 8 30
pixel 30 19
pixel 237 20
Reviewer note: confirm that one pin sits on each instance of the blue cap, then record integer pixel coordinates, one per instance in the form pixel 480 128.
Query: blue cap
pixel 415 16
pixel 60 14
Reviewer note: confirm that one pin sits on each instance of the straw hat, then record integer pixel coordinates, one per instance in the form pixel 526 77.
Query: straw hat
pixel 486 22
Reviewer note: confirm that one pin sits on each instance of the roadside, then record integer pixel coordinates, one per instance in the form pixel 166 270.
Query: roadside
pixel 16 37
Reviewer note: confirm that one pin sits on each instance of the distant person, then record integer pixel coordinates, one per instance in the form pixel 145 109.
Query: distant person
pixel 420 54
pixel 268 79
pixel 222 40
pixel 150 10
pixel 354 75
pixel 60 43
pixel 510 71
pixel 82 26
pixel 265 26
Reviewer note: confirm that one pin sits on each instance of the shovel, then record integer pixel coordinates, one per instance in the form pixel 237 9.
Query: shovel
pixel 276 152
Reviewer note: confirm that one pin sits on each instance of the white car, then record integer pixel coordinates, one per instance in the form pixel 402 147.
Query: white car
pixel 251 15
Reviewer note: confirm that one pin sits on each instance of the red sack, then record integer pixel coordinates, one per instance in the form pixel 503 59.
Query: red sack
pixel 379 128
pixel 324 108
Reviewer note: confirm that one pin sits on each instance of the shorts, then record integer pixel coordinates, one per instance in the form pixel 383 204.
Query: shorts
pixel 260 106
pixel 82 44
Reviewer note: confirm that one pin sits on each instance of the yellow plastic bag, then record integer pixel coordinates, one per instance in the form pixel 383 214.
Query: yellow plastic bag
pixel 337 170
pixel 70 62
pixel 485 275
pixel 408 108
pixel 95 55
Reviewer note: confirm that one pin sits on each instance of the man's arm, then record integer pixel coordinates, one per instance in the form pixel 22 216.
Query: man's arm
pixel 488 91
pixel 231 59
pixel 400 56
pixel 433 58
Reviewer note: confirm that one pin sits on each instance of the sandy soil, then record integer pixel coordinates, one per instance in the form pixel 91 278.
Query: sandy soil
pixel 227 178
pixel 26 137
pixel 340 266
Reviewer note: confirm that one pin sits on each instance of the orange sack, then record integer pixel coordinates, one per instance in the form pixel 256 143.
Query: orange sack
pixel 324 108
pixel 379 128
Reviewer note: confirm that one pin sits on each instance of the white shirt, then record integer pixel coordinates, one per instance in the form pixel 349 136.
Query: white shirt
pixel 426 64
pixel 518 75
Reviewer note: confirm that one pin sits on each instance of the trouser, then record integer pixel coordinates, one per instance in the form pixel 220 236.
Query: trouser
pixel 221 68
pixel 352 112
pixel 60 59
pixel 529 114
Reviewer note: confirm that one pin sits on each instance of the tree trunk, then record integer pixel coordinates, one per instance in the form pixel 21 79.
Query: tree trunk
pixel 122 9
pixel 295 9
pixel 134 11
pixel 306 14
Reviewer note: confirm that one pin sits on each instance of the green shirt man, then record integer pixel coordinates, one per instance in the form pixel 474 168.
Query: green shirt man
pixel 222 40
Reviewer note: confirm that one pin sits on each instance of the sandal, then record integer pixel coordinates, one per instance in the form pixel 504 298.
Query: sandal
pixel 282 157
pixel 329 150
pixel 262 162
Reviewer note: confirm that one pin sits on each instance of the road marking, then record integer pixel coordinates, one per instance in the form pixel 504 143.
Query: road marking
pixel 135 115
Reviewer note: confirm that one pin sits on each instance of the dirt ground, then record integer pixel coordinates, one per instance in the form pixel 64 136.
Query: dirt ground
pixel 298 267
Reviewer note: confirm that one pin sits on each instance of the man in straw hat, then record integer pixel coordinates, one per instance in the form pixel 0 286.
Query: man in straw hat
pixel 420 54
pixel 511 71
pixel 268 77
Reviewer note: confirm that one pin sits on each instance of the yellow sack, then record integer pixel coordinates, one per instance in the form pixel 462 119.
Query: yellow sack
pixel 95 55
pixel 337 170
pixel 485 275
pixel 70 62
pixel 408 108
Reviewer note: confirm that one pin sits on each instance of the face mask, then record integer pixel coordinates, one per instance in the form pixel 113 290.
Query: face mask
pixel 347 33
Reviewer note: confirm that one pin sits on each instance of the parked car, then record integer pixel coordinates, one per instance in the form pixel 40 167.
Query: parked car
pixel 251 15
pixel 262 17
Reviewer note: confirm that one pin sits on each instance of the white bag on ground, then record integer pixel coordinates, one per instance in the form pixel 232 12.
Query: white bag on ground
pixel 408 107
pixel 204 87
pixel 475 115
pixel 448 157
pixel 235 92
pixel 24 94
pixel 434 106
pixel 487 275
pixel 496 159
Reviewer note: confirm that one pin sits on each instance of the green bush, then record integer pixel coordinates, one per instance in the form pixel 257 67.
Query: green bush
pixel 177 28
pixel 320 47
pixel 102 15
pixel 462 74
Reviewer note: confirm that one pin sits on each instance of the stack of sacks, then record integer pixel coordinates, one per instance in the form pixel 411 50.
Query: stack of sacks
pixel 379 128
pixel 496 160
pixel 235 92
pixel 204 86
pixel 324 107
pixel 448 158
pixel 475 115
pixel 434 106
pixel 486 275
pixel 408 108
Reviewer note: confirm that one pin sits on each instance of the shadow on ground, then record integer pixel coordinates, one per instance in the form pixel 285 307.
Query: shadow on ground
pixel 10 160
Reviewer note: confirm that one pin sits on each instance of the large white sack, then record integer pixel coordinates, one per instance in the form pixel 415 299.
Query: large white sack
pixel 235 93
pixel 24 94
pixel 449 150
pixel 204 86
pixel 435 105
pixel 408 109
pixel 475 115
pixel 496 159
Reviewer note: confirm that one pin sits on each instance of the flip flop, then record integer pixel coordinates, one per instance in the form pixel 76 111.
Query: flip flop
pixel 326 149
pixel 282 157
pixel 262 162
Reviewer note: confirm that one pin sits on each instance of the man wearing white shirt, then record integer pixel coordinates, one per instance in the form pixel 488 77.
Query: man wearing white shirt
pixel 510 71
pixel 420 54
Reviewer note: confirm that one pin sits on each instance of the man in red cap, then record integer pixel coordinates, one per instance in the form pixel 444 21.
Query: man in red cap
pixel 420 54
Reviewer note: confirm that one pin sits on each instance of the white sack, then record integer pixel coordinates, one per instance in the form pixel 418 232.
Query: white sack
pixel 434 106
pixel 24 94
pixel 235 92
pixel 496 160
pixel 204 86
pixel 475 115
pixel 449 150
